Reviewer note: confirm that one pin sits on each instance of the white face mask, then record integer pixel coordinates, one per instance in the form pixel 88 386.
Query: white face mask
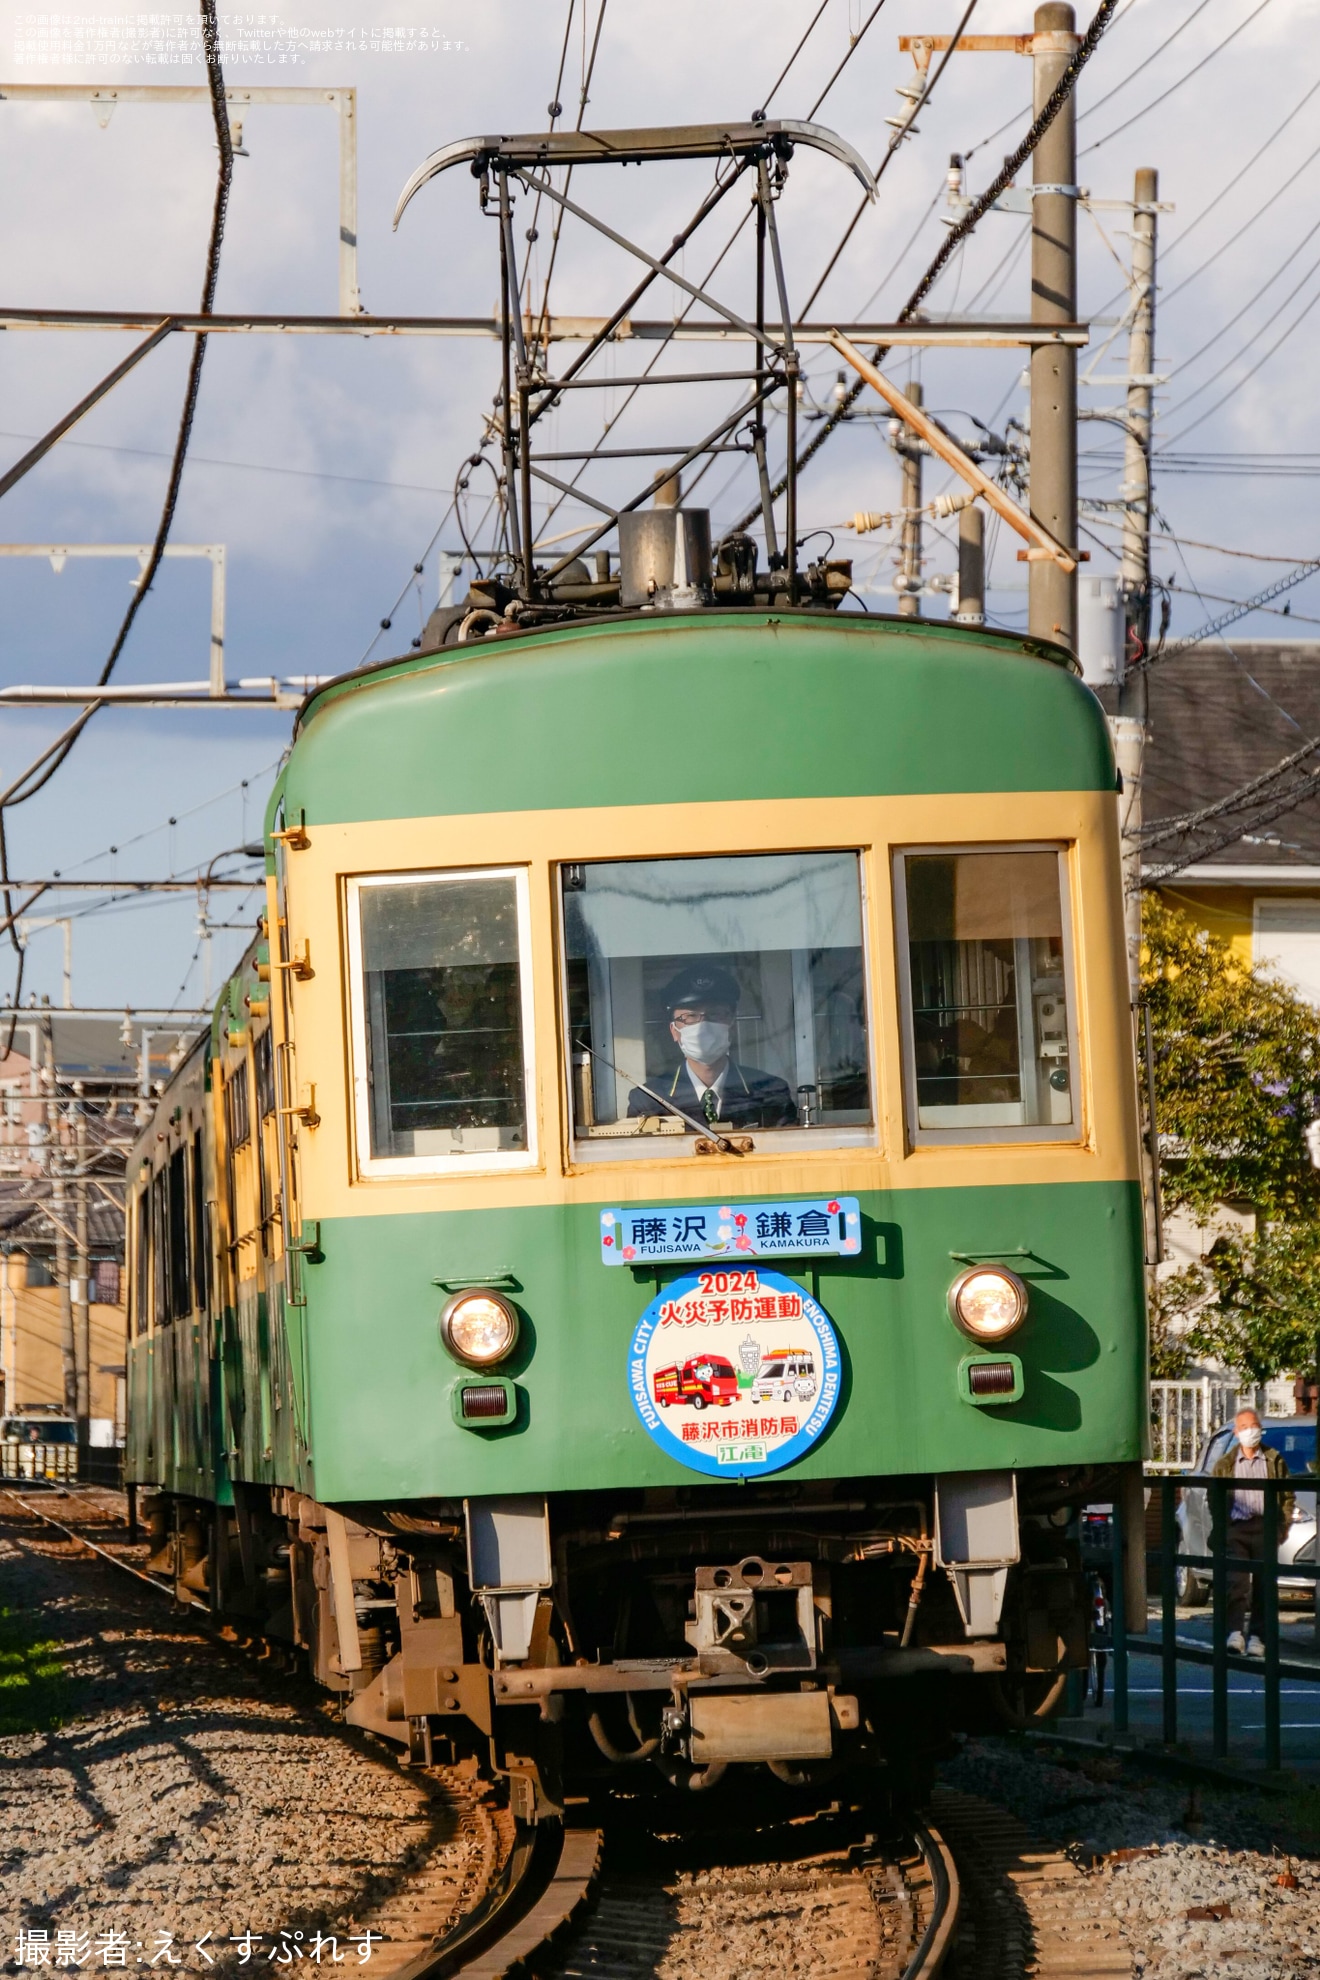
pixel 1249 1436
pixel 706 1042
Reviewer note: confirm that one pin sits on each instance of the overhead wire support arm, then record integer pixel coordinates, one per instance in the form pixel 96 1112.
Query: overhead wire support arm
pixel 989 332
pixel 84 406
pixel 939 443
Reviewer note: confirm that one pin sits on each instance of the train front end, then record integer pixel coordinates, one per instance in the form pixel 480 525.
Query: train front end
pixel 711 1184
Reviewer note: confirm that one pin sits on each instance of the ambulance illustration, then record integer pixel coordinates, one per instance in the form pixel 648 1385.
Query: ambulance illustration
pixel 786 1376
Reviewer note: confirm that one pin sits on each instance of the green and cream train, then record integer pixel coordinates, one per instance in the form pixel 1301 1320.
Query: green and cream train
pixel 647 1263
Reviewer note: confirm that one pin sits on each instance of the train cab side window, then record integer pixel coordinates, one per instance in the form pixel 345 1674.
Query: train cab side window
pixel 987 990
pixel 442 1021
pixel 721 991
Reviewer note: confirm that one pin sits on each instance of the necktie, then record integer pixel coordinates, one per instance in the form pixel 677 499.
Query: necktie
pixel 710 1106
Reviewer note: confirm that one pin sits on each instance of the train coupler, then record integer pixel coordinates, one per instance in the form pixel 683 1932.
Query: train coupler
pixel 758 1617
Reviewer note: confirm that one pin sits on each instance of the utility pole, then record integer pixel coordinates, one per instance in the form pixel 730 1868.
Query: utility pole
pixel 81 1290
pixel 1052 593
pixel 971 567
pixel 1130 725
pixel 909 450
pixel 55 1162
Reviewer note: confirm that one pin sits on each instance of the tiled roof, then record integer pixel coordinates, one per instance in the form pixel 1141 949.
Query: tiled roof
pixel 1220 718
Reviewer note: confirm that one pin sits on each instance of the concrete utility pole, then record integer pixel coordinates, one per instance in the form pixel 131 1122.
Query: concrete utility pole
pixel 81 1290
pixel 1130 725
pixel 1052 593
pixel 909 450
pixel 971 567
pixel 55 1162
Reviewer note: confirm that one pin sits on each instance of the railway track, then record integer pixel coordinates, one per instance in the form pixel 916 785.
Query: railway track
pixel 968 1894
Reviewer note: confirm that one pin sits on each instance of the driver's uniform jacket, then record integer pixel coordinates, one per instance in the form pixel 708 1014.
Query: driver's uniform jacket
pixel 1274 1468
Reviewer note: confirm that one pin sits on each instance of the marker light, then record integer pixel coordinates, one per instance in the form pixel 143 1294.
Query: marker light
pixel 479 1327
pixel 987 1302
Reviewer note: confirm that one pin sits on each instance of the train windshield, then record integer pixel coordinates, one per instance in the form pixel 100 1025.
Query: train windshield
pixel 989 1034
pixel 721 992
pixel 442 1029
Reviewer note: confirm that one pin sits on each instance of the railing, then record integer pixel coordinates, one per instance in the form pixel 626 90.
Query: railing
pixel 90 1464
pixel 1182 1416
pixel 1214 1654
pixel 35 1461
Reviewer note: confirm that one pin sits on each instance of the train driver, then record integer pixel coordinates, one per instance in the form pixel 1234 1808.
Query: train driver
pixel 701 1003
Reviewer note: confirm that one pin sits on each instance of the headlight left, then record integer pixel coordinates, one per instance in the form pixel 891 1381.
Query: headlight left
pixel 479 1328
pixel 988 1302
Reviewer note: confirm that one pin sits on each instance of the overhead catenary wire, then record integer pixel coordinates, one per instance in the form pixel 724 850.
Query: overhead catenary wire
pixel 1173 88
pixel 975 213
pixel 39 773
pixel 1145 63
pixel 890 150
pixel 1231 184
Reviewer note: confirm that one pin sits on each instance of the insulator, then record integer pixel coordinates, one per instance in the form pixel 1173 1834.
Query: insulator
pixel 949 505
pixel 868 519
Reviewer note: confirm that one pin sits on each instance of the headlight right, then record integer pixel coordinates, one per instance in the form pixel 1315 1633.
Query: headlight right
pixel 988 1302
pixel 479 1328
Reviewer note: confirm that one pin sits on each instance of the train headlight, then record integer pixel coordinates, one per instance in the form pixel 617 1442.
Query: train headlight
pixel 479 1328
pixel 987 1302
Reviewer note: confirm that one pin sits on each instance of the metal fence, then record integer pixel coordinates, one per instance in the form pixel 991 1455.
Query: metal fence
pixel 1172 1648
pixel 61 1464
pixel 1182 1416
pixel 56 1462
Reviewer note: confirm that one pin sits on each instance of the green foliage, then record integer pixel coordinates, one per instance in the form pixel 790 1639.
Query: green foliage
pixel 1264 1317
pixel 1237 1079
pixel 32 1687
pixel 1171 1300
pixel 1237 1073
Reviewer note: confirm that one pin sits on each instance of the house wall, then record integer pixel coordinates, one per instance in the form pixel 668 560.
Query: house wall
pixel 30 1335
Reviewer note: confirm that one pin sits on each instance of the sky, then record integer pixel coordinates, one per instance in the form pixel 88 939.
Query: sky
pixel 326 465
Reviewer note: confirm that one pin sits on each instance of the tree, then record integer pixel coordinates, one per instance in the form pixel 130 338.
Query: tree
pixel 1237 1073
pixel 1237 1081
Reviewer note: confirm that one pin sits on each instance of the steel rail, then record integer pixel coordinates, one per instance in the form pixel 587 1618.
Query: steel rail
pixel 125 1567
pixel 549 1876
pixel 936 1940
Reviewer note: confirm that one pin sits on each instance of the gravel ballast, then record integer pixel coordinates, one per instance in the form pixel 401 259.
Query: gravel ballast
pixel 188 1790
pixel 1196 1879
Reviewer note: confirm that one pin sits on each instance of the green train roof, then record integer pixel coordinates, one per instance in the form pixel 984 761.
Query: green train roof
pixel 678 708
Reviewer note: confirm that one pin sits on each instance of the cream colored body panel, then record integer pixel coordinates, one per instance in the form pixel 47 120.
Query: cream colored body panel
pixel 1085 823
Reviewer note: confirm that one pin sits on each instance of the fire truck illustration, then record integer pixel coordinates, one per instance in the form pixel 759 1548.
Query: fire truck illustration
pixel 708 1379
pixel 785 1376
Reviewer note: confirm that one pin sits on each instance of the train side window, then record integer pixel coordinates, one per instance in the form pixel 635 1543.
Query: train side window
pixel 239 1112
pixel 263 1060
pixel 728 991
pixel 180 1272
pixel 142 1261
pixel 199 1230
pixel 990 1052
pixel 442 1021
pixel 160 1288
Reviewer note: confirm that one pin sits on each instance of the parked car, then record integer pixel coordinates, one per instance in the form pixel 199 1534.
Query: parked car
pixel 1294 1439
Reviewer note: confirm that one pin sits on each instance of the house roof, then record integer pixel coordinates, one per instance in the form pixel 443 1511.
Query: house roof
pixel 1219 718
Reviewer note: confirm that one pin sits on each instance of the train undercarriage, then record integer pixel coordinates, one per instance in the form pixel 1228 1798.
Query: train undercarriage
pixel 666 1637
